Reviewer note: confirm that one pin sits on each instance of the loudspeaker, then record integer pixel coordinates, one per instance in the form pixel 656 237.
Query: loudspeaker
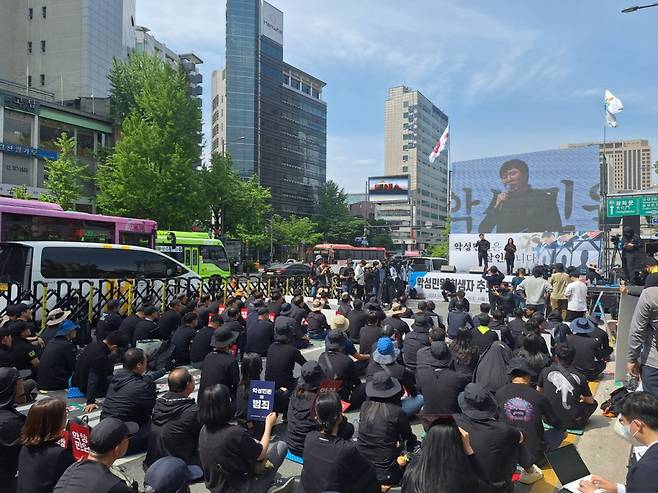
pixel 449 268
pixel 476 270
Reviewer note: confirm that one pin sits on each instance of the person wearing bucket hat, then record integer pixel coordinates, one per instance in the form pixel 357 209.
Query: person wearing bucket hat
pixel 219 366
pixel 439 383
pixel 298 335
pixel 11 422
pixel 385 358
pixel 318 327
pixel 524 408
pixel 497 445
pixel 339 366
pixel 301 419
pixel 383 426
pixel 58 359
pixel 53 321
pixel 282 356
pixel 416 339
pixel 170 475
pixel 590 359
pixel 394 319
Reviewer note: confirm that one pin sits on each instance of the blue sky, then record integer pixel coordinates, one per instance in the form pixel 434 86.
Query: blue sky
pixel 513 76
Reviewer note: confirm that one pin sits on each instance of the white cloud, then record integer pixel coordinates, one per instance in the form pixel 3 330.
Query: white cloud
pixel 351 160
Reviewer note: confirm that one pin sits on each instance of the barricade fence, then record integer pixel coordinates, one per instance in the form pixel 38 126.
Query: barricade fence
pixel 87 299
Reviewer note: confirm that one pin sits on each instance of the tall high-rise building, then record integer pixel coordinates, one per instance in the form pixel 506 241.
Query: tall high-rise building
pixel 64 49
pixel 413 125
pixel 267 114
pixel 629 163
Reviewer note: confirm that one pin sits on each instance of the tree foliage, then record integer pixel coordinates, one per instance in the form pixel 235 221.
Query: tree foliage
pixel 20 192
pixel 442 249
pixel 294 231
pixel 64 176
pixel 334 220
pixel 151 170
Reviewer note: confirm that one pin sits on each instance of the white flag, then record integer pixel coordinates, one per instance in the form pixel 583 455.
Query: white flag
pixel 612 103
pixel 440 145
pixel 610 119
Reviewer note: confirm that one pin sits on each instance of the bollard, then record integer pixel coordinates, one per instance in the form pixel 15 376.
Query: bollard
pixel 269 287
pixel 248 292
pixel 163 296
pixel 90 307
pixel 287 285
pixel 130 298
pixel 44 314
pixel 304 286
pixel 225 289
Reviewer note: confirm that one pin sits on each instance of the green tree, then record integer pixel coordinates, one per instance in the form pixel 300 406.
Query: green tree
pixel 20 192
pixel 378 234
pixel 334 221
pixel 442 249
pixel 64 177
pixel 655 166
pixel 151 170
pixel 295 232
pixel 252 207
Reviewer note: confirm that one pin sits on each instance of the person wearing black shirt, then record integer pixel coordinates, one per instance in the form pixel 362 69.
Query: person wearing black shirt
pixel 22 351
pixel 170 320
pixel 6 359
pixel 589 359
pixel 448 289
pixel 182 339
pixel 515 330
pixel 58 359
pixel 524 408
pixel 260 333
pixel 130 322
pixel 345 304
pixel 493 277
pixel 203 310
pixel 416 339
pixel 147 328
pixel 383 426
pixel 333 463
pixel 276 300
pixel 567 389
pixel 600 335
pixel 357 319
pixel 53 321
pixel 505 299
pixel 338 366
pixel 483 247
pixel 317 322
pixel 299 336
pixel 94 368
pixel 201 345
pixel 109 321
pixel 369 334
pixel 459 298
pixel 281 358
pixel 42 461
pixel 439 383
pixel 630 250
pixel 393 320
pixel 11 422
pixel 108 443
pixel 483 336
pixel 458 318
pixel 220 367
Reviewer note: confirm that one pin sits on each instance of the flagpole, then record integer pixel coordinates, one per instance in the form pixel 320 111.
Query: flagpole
pixel 604 194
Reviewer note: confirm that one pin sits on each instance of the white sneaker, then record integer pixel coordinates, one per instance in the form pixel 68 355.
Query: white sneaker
pixel 533 476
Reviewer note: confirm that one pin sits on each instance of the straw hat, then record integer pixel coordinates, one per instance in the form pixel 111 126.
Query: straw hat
pixel 57 316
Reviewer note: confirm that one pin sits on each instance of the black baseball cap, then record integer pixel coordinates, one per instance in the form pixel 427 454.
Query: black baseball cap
pixel 5 331
pixel 108 434
pixel 150 310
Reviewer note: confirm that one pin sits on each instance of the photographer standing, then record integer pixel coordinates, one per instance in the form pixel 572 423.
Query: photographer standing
pixel 493 277
pixel 630 251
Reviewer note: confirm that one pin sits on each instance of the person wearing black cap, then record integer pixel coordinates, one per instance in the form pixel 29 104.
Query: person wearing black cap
pixel 58 359
pixel 220 367
pixel 182 339
pixel 11 421
pixel 339 366
pixel 589 359
pixel 94 367
pixel 520 207
pixel 301 420
pixel 109 321
pixel 202 343
pixel 524 408
pixel 331 462
pixel 24 353
pixel 438 382
pixel 416 339
pixel 131 397
pixel 299 337
pixel 497 445
pixel 6 359
pixel 147 328
pixel 281 358
pixel 129 324
pixel 383 426
pixel 171 318
pixel 170 475
pixel 260 332
pixel 108 442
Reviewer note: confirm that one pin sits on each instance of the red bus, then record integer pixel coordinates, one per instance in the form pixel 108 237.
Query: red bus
pixel 337 254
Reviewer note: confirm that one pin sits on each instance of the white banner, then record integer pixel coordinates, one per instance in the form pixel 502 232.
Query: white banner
pixel 571 249
pixel 429 286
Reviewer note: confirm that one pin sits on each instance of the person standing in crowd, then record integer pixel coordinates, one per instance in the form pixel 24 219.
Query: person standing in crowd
pixel 251 368
pixel 175 427
pixel 182 338
pixel 524 408
pixel 55 318
pixel 360 278
pixel 11 421
pixel 630 251
pixel 229 456
pixel 331 462
pixel 202 342
pixel 589 359
pixel 493 277
pixel 131 397
pixel 219 366
pixel 465 352
pixel 483 246
pixel 337 365
pixel 519 277
pixel 260 333
pixel 567 389
pixel 356 319
pixel 42 461
pixel 576 293
pixel 171 319
pixel 377 280
pixel 438 382
pixel 637 424
pixel 109 321
pixel 346 275
pixel 383 426
pixel 129 324
pixel 535 289
pixel 108 443
pixel 281 358
pixel 148 327
pixel 94 368
pixel 505 298
pixel 318 327
pixel 510 255
pixel 559 281
pixel 57 361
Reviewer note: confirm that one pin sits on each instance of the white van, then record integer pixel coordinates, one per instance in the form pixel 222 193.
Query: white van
pixel 48 262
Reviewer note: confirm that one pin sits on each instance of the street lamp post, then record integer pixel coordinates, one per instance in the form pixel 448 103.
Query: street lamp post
pixel 635 8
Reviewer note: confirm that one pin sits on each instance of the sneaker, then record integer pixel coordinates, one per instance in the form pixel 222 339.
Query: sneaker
pixel 533 476
pixel 282 486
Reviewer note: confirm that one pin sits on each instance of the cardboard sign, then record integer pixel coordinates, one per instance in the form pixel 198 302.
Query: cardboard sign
pixel 79 435
pixel 244 312
pixel 261 399
pixel 64 440
pixel 332 386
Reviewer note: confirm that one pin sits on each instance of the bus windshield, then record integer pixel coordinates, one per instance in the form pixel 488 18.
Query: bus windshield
pixel 15 263
pixel 216 255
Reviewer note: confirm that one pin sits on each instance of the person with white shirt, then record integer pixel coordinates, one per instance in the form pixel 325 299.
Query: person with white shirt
pixel 637 423
pixel 360 278
pixel 576 294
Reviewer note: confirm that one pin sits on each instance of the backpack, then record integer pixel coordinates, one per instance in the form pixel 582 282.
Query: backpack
pixel 162 357
pixel 612 407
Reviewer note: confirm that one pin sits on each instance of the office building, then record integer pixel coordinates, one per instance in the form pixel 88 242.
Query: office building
pixel 413 125
pixel 267 114
pixel 63 50
pixel 629 163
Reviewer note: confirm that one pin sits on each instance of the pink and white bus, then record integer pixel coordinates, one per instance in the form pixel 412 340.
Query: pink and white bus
pixel 32 220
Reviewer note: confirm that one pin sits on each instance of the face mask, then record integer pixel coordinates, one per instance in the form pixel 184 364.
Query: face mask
pixel 624 431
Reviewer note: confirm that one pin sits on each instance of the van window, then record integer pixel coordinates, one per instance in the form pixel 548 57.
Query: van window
pixel 215 255
pixel 15 263
pixel 419 265
pixel 438 262
pixel 103 263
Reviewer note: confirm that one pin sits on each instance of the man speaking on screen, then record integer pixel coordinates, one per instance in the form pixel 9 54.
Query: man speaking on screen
pixel 520 208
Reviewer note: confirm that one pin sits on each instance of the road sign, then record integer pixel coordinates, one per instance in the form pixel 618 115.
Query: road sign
pixel 638 205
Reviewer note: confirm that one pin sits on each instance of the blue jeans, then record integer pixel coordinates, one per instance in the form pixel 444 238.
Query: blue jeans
pixel 649 376
pixel 411 405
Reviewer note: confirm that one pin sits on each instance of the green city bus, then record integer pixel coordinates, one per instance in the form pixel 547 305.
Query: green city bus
pixel 198 251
